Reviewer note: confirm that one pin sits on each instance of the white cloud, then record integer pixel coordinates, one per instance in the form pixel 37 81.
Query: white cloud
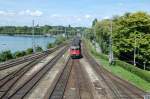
pixel 55 15
pixel 106 17
pixel 2 13
pixel 7 13
pixel 35 13
pixel 78 18
pixel 88 16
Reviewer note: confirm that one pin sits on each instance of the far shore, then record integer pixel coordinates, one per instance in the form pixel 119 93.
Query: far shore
pixel 26 35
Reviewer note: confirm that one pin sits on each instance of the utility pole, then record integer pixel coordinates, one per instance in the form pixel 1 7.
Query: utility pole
pixel 33 37
pixel 135 50
pixel 111 57
pixel 94 37
pixel 65 31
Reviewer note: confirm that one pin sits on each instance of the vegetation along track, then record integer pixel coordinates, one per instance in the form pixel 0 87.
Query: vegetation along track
pixel 121 89
pixel 27 58
pixel 22 90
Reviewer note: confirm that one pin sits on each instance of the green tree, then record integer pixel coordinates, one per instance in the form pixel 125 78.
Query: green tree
pixel 6 55
pixel 50 45
pixel 29 51
pixel 59 40
pixel 19 54
pixel 127 29
pixel 102 30
pixel 39 49
pixel 94 22
pixel 89 34
pixel 130 28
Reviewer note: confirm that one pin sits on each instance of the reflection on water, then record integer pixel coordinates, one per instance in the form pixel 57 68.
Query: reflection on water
pixel 19 43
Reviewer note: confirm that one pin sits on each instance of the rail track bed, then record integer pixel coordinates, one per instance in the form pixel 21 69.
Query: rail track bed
pixel 58 91
pixel 33 57
pixel 17 86
pixel 61 77
pixel 78 86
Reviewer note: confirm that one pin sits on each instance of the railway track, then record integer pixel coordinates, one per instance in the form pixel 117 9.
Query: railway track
pixel 121 89
pixel 83 82
pixel 23 69
pixel 59 89
pixel 23 89
pixel 27 58
pixel 72 84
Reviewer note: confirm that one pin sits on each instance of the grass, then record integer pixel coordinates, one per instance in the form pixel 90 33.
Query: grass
pixel 119 71
pixel 122 73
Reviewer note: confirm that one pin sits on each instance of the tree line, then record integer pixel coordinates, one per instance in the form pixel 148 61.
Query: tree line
pixel 130 36
pixel 39 30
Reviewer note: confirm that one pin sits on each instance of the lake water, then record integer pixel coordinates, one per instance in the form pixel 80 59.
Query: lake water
pixel 19 43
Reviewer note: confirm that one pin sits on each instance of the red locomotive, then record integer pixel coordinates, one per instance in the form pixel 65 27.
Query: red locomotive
pixel 75 49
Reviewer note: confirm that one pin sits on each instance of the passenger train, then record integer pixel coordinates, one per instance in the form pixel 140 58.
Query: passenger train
pixel 75 48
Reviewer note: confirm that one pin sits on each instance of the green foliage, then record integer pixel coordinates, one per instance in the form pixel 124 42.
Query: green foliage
pixel 102 30
pixel 50 45
pixel 59 40
pixel 5 55
pixel 19 54
pixel 89 34
pixel 94 22
pixel 127 75
pixel 136 76
pixel 126 30
pixel 38 49
pixel 133 27
pixel 29 51
pixel 39 30
pixel 141 73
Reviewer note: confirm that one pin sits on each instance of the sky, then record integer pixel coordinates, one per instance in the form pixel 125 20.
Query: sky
pixel 65 12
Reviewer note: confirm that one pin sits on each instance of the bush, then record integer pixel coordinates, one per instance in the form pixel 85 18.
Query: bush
pixel 29 51
pixel 39 49
pixel 19 54
pixel 50 45
pixel 6 55
pixel 141 73
pixel 59 40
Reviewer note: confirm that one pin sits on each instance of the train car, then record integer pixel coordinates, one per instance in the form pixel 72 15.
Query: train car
pixel 75 49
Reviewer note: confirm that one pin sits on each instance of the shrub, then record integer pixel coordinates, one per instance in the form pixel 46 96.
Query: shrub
pixel 139 72
pixel 6 55
pixel 50 45
pixel 29 51
pixel 39 49
pixel 19 54
pixel 59 40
